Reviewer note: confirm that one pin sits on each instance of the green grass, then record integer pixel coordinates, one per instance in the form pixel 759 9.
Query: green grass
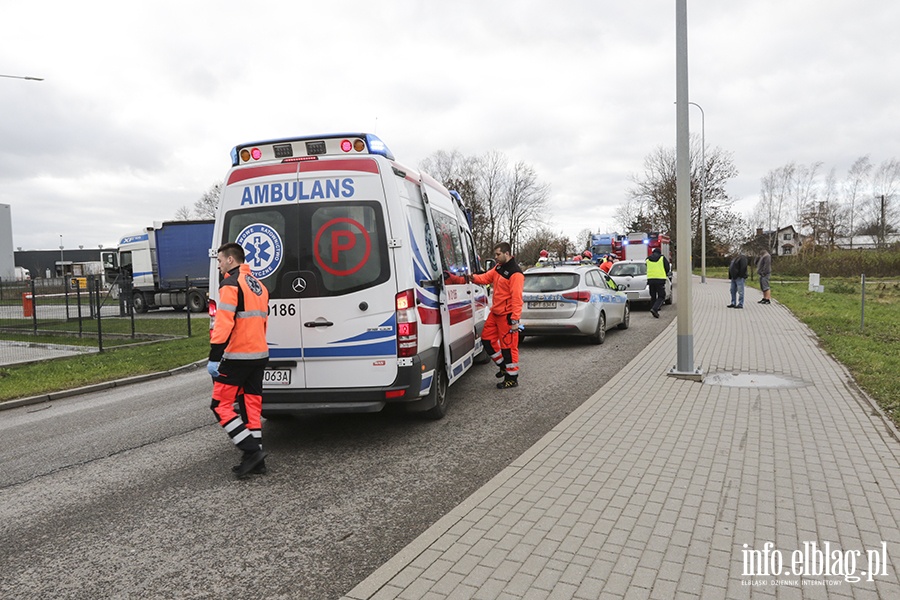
pixel 18 381
pixel 870 353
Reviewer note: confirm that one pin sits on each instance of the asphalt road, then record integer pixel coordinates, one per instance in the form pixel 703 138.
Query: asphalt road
pixel 128 492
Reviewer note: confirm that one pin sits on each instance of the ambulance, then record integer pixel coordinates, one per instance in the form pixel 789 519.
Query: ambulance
pixel 354 249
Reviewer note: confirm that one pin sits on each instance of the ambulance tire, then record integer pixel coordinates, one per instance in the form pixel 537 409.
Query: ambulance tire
pixel 600 335
pixel 139 302
pixel 438 392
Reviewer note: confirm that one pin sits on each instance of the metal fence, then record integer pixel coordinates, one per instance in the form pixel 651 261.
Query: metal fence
pixel 50 318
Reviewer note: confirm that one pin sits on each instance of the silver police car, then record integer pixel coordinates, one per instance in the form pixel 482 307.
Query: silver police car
pixel 572 300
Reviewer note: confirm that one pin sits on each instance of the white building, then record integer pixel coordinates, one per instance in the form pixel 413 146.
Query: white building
pixel 7 263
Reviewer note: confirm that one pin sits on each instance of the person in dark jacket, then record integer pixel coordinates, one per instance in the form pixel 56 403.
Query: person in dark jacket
pixel 764 269
pixel 737 273
pixel 658 270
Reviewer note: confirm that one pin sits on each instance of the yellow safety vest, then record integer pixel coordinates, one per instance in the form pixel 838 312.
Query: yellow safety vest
pixel 656 269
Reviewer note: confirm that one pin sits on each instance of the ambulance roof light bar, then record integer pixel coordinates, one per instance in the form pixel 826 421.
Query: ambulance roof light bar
pixel 346 141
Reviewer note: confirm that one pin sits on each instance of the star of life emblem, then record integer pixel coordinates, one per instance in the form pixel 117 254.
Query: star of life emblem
pixel 263 249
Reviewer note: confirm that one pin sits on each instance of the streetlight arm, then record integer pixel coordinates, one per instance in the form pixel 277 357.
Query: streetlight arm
pixel 20 77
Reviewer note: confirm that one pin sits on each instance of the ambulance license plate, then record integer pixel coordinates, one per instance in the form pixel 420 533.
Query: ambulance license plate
pixel 542 305
pixel 277 377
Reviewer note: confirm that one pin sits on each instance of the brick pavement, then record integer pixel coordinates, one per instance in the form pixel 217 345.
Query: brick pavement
pixel 653 487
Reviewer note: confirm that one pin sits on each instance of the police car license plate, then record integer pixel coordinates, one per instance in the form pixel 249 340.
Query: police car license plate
pixel 633 295
pixel 277 377
pixel 542 305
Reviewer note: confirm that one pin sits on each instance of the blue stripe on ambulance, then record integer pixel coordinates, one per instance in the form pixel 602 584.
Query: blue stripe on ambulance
pixel 374 335
pixel 385 348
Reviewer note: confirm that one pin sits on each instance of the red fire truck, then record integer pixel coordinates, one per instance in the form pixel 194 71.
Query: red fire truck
pixel 639 245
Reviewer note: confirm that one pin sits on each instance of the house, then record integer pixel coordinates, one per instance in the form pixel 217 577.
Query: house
pixel 787 241
pixel 783 242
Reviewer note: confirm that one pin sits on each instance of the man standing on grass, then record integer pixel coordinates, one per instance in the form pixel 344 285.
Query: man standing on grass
pixel 238 355
pixel 764 268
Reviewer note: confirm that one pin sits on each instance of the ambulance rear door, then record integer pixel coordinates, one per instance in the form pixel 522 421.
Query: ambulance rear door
pixel 456 300
pixel 317 239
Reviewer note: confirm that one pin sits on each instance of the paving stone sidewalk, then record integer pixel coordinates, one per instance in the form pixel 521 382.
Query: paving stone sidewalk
pixel 658 487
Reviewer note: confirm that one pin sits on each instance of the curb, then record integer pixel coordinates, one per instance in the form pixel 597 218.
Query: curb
pixel 9 404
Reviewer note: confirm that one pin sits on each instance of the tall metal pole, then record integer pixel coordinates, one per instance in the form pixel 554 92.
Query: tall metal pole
pixel 702 194
pixel 685 344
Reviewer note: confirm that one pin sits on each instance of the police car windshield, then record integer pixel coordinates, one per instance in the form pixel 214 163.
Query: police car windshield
pixel 550 282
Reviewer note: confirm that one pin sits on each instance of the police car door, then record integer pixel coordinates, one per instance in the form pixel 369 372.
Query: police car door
pixel 456 300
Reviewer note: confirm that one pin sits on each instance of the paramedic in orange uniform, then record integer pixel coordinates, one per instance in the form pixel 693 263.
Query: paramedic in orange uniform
pixel 501 328
pixel 238 355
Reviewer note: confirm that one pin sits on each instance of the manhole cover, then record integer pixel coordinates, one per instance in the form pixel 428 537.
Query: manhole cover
pixel 754 380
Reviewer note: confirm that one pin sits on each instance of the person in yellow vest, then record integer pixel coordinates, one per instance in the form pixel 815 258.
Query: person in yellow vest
pixel 658 270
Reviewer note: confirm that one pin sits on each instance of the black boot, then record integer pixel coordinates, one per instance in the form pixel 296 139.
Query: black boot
pixel 508 382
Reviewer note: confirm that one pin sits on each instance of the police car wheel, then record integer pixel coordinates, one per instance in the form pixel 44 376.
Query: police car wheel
pixel 438 393
pixel 626 318
pixel 600 335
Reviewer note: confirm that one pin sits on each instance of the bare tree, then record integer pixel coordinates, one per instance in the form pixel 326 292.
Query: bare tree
pixel 183 214
pixel 853 189
pixel 205 207
pixel 775 191
pixel 583 240
pixel 493 181
pixel 556 244
pixel 882 213
pixel 655 193
pixel 525 202
pixel 804 188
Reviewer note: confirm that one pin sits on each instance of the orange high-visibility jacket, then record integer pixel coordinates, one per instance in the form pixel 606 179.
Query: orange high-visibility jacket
pixel 239 332
pixel 508 281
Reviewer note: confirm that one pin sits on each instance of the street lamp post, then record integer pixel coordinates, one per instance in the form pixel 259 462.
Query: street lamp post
pixel 702 193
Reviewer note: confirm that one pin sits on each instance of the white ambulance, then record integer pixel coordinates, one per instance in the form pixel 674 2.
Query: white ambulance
pixel 353 248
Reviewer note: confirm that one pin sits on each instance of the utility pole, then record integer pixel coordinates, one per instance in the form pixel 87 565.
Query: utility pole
pixel 684 369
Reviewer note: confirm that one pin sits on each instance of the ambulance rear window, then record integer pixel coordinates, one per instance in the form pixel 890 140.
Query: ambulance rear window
pixel 334 248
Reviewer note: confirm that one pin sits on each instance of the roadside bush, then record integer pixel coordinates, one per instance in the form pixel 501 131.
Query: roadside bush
pixel 840 263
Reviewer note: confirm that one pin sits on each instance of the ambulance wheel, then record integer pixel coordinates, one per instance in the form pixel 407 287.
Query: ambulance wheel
pixel 438 393
pixel 139 302
pixel 600 335
pixel 196 302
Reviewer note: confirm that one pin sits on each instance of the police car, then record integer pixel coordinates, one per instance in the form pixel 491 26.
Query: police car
pixel 569 299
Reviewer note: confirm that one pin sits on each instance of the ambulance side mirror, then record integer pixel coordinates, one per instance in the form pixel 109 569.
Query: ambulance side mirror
pixel 489 264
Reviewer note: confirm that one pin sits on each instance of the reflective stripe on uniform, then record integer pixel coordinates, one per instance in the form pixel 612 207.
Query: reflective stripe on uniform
pixel 245 355
pixel 228 307
pixel 244 314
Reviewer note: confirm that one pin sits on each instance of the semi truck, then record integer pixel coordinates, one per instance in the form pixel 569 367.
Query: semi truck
pixel 168 264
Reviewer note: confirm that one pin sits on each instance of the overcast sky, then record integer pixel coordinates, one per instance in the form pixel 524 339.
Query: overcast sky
pixel 142 102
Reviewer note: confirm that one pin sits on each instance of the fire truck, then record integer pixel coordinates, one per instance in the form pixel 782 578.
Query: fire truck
pixel 639 245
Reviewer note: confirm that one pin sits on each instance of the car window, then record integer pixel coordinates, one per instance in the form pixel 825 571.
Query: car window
pixel 632 269
pixel 608 281
pixel 550 282
pixel 593 279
